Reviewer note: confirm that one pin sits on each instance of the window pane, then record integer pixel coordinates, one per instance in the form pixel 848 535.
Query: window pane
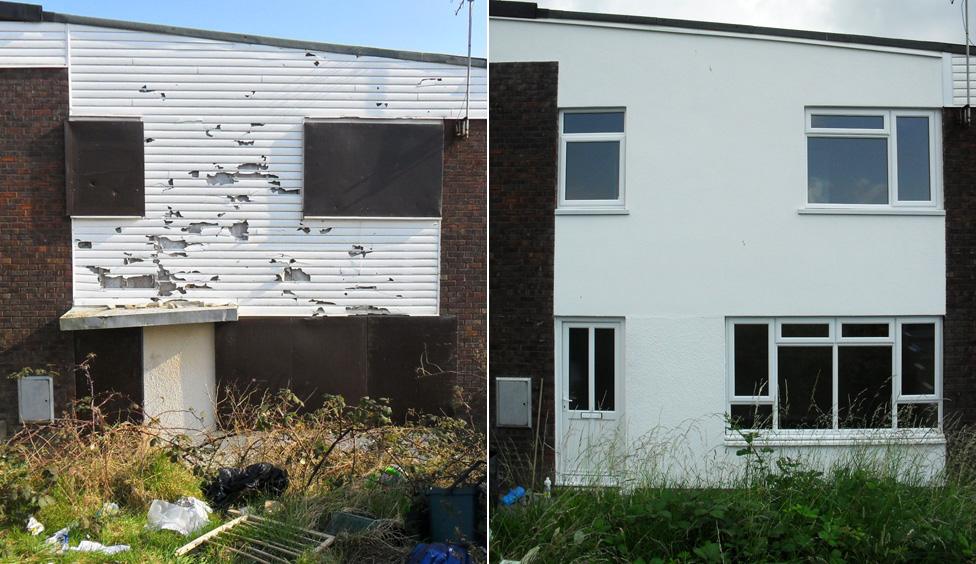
pixel 751 416
pixel 847 122
pixel 593 170
pixel 579 368
pixel 842 170
pixel 864 330
pixel 918 415
pixel 918 358
pixel 913 159
pixel 795 330
pixel 605 360
pixel 593 122
pixel 751 368
pixel 805 375
pixel 864 387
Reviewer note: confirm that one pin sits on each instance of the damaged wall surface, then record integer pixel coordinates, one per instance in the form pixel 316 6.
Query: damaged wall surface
pixel 223 172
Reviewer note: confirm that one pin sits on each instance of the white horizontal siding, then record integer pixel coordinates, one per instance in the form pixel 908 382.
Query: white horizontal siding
pixel 213 106
pixel 959 79
pixel 25 44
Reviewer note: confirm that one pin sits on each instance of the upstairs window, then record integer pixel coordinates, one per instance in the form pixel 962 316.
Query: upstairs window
pixel 591 159
pixel 104 167
pixel 798 374
pixel 373 168
pixel 872 159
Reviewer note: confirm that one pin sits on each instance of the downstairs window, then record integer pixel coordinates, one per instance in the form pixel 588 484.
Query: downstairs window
pixel 835 373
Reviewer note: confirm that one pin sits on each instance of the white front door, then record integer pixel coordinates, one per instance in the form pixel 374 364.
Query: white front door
pixel 590 375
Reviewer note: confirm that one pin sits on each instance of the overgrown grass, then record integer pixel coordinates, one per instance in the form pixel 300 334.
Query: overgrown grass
pixel 781 510
pixel 63 474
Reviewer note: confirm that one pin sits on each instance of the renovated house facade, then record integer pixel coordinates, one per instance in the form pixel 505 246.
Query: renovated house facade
pixel 730 230
pixel 205 210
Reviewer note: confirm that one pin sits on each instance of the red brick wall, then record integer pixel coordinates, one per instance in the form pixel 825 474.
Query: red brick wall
pixel 522 200
pixel 464 248
pixel 959 328
pixel 35 233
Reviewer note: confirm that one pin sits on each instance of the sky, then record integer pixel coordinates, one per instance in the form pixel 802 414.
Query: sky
pixel 931 20
pixel 409 25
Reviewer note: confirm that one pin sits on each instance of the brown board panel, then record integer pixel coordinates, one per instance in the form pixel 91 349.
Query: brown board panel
pixel 116 370
pixel 310 356
pixel 105 167
pixel 413 361
pixel 362 169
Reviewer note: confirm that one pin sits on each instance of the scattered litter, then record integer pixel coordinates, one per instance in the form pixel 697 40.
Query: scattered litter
pixel 513 495
pixel 261 539
pixel 185 516
pixel 345 522
pixel 234 483
pixel 439 553
pixel 109 508
pixel 92 546
pixel 34 527
pixel 59 540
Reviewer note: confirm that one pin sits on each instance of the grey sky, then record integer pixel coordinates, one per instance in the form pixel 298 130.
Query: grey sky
pixel 933 20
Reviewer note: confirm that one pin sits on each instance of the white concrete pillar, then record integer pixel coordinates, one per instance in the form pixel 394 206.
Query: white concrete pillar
pixel 179 386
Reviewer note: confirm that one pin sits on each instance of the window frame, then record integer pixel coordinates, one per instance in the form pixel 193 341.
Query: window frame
pixel 835 341
pixel 595 206
pixel 890 133
pixel 564 325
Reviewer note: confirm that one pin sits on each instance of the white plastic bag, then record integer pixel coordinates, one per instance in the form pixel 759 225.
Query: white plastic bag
pixel 92 546
pixel 185 516
pixel 59 540
pixel 34 527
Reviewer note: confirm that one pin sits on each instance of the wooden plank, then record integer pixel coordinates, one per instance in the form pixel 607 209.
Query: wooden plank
pixel 208 535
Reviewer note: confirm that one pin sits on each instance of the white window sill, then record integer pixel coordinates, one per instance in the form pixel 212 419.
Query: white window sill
pixel 881 437
pixel 592 211
pixel 870 211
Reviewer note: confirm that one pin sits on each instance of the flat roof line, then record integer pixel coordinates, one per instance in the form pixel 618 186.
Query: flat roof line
pixel 16 11
pixel 530 10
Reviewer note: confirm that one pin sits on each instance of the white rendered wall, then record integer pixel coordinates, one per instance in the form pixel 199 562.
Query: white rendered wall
pixel 178 376
pixel 715 175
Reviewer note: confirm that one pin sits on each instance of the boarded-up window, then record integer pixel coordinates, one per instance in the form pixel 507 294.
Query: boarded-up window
pixel 357 169
pixel 105 167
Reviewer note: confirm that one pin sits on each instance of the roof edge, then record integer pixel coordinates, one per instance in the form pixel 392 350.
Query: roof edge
pixel 530 10
pixel 458 60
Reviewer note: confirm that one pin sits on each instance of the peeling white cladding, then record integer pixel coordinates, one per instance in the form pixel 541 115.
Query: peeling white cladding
pixel 223 127
pixel 32 45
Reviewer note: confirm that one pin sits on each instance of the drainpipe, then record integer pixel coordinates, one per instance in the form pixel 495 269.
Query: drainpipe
pixel 967 111
pixel 463 127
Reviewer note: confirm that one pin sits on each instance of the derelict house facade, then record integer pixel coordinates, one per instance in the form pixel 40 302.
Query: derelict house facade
pixel 732 229
pixel 217 209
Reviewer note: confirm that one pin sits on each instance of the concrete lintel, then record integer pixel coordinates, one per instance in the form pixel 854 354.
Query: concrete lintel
pixel 79 319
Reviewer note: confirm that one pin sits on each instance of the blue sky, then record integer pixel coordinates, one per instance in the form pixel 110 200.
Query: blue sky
pixel 411 25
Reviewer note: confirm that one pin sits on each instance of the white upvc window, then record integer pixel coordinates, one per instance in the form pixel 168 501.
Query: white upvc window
pixel 834 376
pixel 591 160
pixel 873 160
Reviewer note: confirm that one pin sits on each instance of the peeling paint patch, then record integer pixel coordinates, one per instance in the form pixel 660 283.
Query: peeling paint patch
pixel 198 227
pixel 359 250
pixel 149 139
pixel 118 230
pixel 361 287
pixel 128 260
pixel 323 302
pixel 221 179
pixel 325 230
pixel 195 173
pixel 256 124
pixel 244 143
pixel 249 95
pixel 208 132
pixel 239 230
pixel 145 88
pixel 84 244
pixel 277 190
pixel 366 309
pixel 290 274
pixel 432 79
pixel 239 198
pixel 306 229
pixel 252 167
pixel 171 213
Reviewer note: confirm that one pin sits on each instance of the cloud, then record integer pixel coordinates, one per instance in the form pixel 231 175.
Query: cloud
pixel 931 20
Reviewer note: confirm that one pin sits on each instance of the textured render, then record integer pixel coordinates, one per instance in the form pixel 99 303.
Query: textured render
pixel 959 328
pixel 35 234
pixel 464 265
pixel 178 376
pixel 703 242
pixel 522 197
